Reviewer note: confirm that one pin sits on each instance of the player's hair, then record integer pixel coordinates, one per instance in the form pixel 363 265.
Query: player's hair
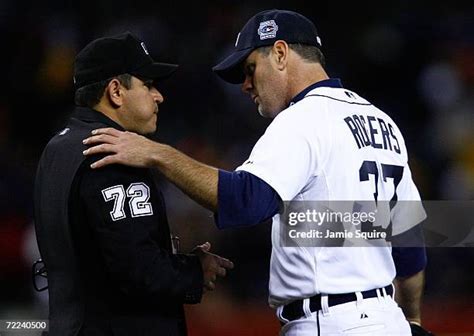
pixel 307 52
pixel 90 95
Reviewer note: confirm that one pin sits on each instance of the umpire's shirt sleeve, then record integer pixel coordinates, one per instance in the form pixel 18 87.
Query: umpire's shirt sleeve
pixel 126 214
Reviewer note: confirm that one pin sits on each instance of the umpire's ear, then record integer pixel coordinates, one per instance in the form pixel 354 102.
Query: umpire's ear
pixel 114 92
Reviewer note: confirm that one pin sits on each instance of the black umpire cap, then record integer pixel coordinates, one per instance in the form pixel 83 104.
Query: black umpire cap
pixel 264 29
pixel 115 55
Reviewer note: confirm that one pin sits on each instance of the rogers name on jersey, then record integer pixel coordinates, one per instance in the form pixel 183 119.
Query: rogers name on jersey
pixel 377 128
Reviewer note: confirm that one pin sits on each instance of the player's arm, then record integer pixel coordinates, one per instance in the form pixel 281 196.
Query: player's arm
pixel 238 198
pixel 409 292
pixel 244 200
pixel 409 256
pixel 197 180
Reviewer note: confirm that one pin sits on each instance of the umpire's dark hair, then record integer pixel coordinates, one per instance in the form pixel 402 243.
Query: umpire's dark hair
pixel 307 52
pixel 90 95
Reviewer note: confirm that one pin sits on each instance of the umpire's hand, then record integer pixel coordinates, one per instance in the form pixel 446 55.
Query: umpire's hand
pixel 212 265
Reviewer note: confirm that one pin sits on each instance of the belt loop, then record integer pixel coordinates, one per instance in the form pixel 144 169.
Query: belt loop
pixel 379 296
pixel 325 305
pixel 280 314
pixel 306 308
pixel 384 292
pixel 385 296
pixel 360 298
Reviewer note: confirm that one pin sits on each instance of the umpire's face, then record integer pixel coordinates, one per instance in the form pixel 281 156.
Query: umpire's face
pixel 266 82
pixel 139 111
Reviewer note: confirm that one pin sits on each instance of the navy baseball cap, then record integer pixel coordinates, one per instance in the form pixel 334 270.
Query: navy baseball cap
pixel 264 29
pixel 111 56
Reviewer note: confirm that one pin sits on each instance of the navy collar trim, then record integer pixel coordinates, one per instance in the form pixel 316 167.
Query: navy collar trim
pixel 331 82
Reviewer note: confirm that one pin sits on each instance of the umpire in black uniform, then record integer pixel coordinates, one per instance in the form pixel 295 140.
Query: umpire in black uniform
pixel 103 234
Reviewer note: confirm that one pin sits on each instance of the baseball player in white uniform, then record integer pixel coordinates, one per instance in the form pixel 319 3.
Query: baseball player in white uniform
pixel 325 143
pixel 315 150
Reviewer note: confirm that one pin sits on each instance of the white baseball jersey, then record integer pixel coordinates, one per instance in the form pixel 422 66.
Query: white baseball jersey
pixel 318 149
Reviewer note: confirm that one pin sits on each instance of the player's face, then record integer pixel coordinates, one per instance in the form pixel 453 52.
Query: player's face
pixel 140 107
pixel 265 84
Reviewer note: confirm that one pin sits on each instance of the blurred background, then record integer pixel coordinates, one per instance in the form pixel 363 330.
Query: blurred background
pixel 413 59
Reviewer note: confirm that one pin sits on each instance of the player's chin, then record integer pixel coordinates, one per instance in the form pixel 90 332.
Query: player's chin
pixel 148 129
pixel 266 113
pixel 261 110
pixel 153 123
pixel 152 129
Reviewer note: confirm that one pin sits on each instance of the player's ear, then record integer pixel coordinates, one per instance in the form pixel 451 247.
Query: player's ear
pixel 280 52
pixel 114 92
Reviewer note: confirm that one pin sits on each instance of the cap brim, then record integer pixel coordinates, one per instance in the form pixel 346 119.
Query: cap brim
pixel 230 69
pixel 156 71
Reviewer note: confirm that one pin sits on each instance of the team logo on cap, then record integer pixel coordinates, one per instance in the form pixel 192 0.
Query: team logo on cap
pixel 267 29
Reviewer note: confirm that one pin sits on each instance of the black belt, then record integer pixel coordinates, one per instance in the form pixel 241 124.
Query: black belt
pixel 294 310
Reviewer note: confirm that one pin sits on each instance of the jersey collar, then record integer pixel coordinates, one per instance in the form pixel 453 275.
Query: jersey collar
pixel 331 82
pixel 90 115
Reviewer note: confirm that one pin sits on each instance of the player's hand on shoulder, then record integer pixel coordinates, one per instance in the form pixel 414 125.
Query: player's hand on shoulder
pixel 213 266
pixel 126 148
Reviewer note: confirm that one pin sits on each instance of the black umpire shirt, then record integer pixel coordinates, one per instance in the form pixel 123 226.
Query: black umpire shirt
pixel 104 238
